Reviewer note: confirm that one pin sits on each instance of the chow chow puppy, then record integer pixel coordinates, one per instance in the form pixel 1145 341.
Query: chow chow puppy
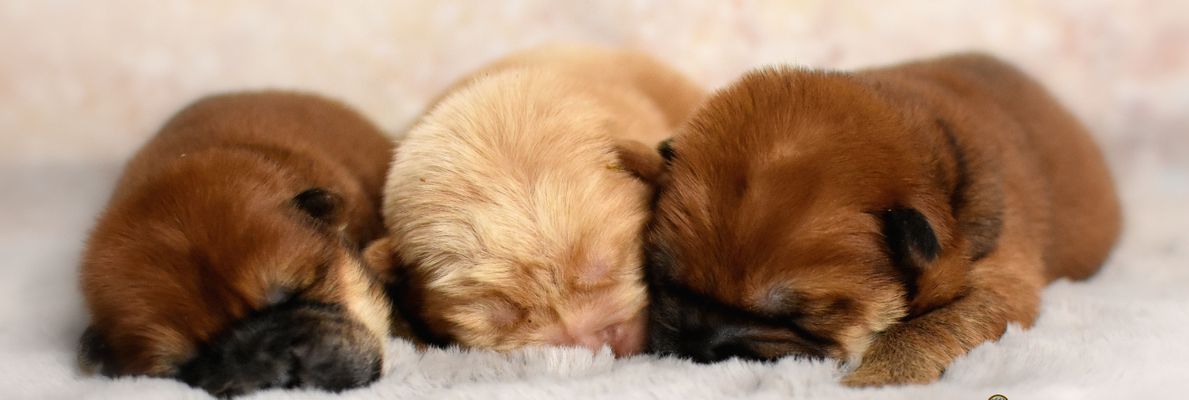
pixel 516 206
pixel 228 256
pixel 893 217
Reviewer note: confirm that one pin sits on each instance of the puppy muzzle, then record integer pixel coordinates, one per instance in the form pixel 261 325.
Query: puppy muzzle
pixel 292 344
pixel 708 333
pixel 707 346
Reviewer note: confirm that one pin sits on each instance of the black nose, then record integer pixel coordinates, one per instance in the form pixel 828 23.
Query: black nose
pixel 714 346
pixel 291 345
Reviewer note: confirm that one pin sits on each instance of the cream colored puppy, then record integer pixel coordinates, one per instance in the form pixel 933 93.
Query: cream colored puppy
pixel 515 207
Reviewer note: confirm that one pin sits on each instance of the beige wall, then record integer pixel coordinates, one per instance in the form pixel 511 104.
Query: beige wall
pixel 86 81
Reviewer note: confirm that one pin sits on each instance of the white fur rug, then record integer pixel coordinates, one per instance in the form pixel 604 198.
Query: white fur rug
pixel 82 83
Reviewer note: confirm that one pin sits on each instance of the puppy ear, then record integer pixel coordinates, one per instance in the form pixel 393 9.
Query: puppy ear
pixel 319 203
pixel 93 353
pixel 931 276
pixel 640 160
pixel 405 293
pixel 911 242
pixel 910 236
pixel 380 256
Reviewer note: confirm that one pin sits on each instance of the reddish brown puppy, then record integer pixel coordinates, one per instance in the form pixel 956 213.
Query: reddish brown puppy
pixel 228 255
pixel 893 217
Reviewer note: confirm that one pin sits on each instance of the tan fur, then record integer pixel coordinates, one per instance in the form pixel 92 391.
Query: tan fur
pixel 790 193
pixel 517 202
pixel 202 230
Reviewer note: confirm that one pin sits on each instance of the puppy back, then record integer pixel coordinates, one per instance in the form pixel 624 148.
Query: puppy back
pixel 1012 115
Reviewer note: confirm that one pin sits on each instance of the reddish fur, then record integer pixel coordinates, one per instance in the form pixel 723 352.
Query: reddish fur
pixel 778 182
pixel 201 226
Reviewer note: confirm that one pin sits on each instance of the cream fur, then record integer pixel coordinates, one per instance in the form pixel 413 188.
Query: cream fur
pixel 510 196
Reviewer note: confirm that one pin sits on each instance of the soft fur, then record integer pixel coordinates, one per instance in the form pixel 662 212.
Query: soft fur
pixel 516 205
pixel 228 255
pixel 894 217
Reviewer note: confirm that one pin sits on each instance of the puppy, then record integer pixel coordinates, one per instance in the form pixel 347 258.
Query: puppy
pixel 893 217
pixel 516 206
pixel 228 256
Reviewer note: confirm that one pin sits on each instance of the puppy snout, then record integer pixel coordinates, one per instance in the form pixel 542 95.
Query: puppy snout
pixel 624 338
pixel 291 345
pixel 592 340
pixel 715 346
pixel 702 343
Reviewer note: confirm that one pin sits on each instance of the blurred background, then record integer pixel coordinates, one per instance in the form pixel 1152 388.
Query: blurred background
pixel 86 81
pixel 83 83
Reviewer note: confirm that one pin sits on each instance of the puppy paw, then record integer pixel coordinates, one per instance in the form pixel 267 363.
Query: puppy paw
pixel 891 362
pixel 881 374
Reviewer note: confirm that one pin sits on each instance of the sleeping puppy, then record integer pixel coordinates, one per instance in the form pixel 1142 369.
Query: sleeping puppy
pixel 894 218
pixel 228 256
pixel 516 206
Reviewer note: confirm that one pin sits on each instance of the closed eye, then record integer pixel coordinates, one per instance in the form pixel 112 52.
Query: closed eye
pixel 666 150
pixel 771 340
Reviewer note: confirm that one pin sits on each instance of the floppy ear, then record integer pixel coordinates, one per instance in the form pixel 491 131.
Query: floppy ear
pixel 640 160
pixel 380 256
pixel 910 238
pixel 405 292
pixel 319 203
pixel 931 277
pixel 912 245
pixel 93 353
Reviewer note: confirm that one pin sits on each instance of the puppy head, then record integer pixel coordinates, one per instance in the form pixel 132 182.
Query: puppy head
pixel 794 220
pixel 231 273
pixel 520 218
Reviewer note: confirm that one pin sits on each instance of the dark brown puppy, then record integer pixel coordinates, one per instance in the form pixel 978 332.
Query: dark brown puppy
pixel 893 217
pixel 228 254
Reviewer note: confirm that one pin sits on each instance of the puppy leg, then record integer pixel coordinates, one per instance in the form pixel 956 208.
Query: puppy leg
pixel 1003 289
